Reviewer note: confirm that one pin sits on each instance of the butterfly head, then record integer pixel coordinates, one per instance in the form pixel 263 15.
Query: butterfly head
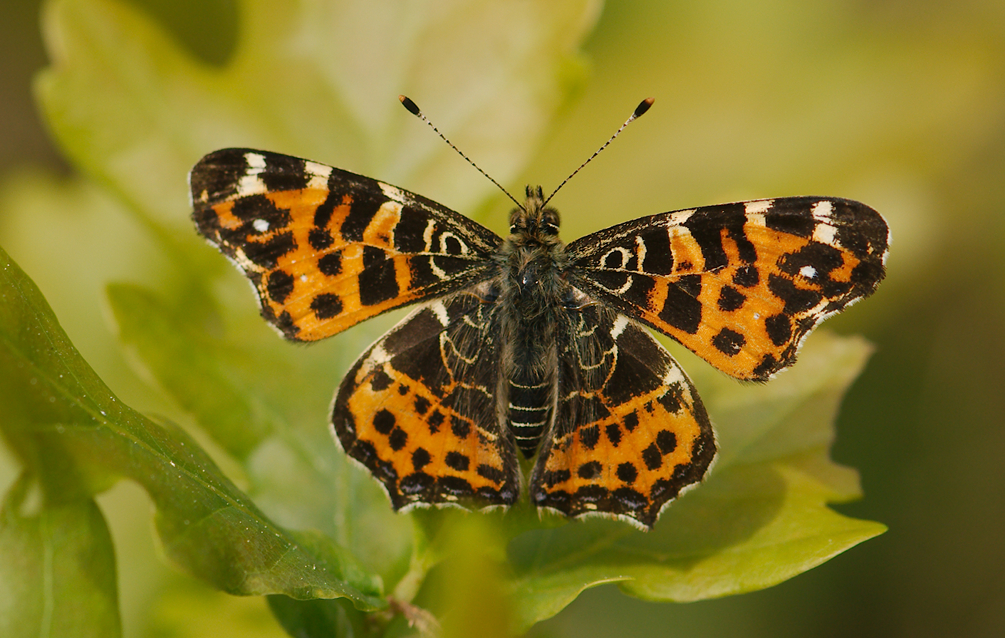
pixel 535 221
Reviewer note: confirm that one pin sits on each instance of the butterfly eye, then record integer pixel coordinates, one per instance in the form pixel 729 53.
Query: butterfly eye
pixel 517 220
pixel 549 221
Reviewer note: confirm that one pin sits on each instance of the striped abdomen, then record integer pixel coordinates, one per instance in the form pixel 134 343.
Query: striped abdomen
pixel 529 410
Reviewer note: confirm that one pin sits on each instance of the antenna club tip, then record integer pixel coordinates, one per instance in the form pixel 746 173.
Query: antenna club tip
pixel 642 107
pixel 409 104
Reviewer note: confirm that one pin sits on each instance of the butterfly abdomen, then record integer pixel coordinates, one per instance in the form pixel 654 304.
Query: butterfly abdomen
pixel 529 367
pixel 529 411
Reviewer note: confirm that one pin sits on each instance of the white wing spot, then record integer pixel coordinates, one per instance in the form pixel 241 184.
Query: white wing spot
pixel 619 326
pixel 441 313
pixel 681 216
pixel 391 192
pixel 427 235
pixel 674 376
pixel 825 234
pixel 378 357
pixel 250 183
pixel 808 271
pixel 319 175
pixel 261 225
pixel 640 250
pixel 823 210
pixel 755 210
pixel 758 206
pixel 256 162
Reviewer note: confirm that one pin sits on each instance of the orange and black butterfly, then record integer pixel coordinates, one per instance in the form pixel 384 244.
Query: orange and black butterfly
pixel 525 345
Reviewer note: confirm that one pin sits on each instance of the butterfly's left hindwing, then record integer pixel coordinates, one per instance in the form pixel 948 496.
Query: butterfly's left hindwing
pixel 325 248
pixel 740 285
pixel 419 410
pixel 630 431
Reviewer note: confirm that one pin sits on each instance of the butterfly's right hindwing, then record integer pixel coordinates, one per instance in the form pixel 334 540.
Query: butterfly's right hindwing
pixel 630 432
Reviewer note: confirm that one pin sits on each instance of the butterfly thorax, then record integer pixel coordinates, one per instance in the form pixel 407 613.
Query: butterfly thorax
pixel 532 289
pixel 531 261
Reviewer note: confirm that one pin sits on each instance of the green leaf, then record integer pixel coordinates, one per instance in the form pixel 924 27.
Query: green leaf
pixel 317 618
pixel 57 569
pixel 193 366
pixel 760 517
pixel 318 80
pixel 72 433
pixel 254 402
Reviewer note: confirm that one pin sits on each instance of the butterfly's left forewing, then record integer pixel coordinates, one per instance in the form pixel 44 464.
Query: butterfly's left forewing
pixel 742 284
pixel 325 248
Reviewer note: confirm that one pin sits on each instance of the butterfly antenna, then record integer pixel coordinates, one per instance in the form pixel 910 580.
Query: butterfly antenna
pixel 413 108
pixel 639 112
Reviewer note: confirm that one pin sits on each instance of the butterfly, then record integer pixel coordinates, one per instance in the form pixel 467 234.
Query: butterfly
pixel 524 346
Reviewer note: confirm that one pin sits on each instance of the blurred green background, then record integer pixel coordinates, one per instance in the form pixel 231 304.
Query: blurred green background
pixel 898 104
